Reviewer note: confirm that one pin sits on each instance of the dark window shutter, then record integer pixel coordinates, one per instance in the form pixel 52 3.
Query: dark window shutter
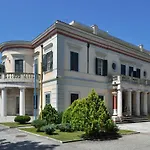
pixel 44 63
pixel 96 65
pixel 51 60
pixel 74 61
pixel 104 67
pixel 130 71
pixel 123 69
pixel 138 73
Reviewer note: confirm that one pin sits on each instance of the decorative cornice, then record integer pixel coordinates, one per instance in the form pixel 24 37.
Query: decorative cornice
pixel 15 44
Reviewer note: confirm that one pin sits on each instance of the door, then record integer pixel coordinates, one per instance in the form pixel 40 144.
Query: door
pixel 17 105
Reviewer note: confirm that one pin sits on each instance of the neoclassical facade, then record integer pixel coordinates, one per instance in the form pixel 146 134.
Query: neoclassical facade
pixel 74 58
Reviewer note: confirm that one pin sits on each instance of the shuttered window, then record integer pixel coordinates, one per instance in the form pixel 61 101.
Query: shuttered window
pixel 48 61
pixel 74 61
pixel 47 98
pixel 138 73
pixel 19 66
pixel 100 67
pixel 74 97
pixel 123 69
pixel 130 71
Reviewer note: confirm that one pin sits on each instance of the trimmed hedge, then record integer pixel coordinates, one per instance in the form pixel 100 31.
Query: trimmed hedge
pixel 65 127
pixel 49 129
pixel 22 119
pixel 38 124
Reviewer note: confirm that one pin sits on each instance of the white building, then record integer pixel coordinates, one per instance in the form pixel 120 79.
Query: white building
pixel 76 58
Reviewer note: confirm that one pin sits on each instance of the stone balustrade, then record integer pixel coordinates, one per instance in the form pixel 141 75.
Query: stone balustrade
pixel 18 77
pixel 133 80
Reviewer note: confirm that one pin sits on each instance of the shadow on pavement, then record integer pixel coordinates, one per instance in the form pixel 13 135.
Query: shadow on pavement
pixel 25 145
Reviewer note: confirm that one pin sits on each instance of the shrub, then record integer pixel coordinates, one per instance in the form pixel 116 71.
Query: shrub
pixel 22 119
pixel 90 115
pixel 49 129
pixel 67 113
pixel 59 119
pixel 38 124
pixel 65 127
pixel 49 114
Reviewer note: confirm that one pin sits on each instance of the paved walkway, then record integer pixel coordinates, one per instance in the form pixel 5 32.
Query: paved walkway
pixel 12 139
pixel 143 127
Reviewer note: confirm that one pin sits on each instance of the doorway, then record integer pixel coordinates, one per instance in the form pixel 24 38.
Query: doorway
pixel 17 105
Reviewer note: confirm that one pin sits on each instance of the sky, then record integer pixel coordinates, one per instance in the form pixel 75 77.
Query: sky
pixel 128 20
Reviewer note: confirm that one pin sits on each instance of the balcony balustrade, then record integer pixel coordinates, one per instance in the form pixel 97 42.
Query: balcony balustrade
pixel 118 78
pixel 18 77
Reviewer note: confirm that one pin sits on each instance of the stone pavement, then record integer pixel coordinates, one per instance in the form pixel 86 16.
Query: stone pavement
pixel 143 127
pixel 12 139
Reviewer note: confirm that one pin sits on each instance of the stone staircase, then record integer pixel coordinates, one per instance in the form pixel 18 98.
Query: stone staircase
pixel 134 119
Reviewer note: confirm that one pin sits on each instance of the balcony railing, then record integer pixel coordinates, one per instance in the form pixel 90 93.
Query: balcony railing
pixel 18 77
pixel 133 80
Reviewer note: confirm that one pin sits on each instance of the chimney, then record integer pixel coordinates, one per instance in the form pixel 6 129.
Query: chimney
pixel 95 29
pixel 141 47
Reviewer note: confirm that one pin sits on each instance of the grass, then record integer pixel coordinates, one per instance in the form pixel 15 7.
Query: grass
pixel 69 136
pixel 62 136
pixel 14 124
pixel 125 132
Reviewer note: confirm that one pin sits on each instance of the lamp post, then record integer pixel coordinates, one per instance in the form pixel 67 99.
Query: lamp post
pixel 41 82
pixel 35 94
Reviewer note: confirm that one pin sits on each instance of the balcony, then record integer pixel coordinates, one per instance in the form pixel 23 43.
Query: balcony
pixel 18 78
pixel 117 79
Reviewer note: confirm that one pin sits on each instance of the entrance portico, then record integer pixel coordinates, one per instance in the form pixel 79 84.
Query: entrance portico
pixel 16 101
pixel 129 103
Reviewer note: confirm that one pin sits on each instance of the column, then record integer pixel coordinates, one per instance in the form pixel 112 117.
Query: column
pixel 129 99
pixel 22 102
pixel 4 102
pixel 119 101
pixel 137 103
pixel 145 108
pixel 114 103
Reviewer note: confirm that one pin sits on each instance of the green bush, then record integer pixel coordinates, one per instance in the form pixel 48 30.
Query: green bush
pixel 67 113
pixel 59 119
pixel 38 124
pixel 65 127
pixel 22 119
pixel 49 129
pixel 90 115
pixel 49 114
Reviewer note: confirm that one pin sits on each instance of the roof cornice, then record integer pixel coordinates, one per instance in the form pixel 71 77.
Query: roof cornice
pixel 15 44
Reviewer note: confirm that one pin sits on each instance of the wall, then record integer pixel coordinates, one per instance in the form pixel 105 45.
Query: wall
pixel 16 53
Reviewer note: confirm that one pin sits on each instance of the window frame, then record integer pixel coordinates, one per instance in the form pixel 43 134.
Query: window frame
pixel 19 59
pixel 74 68
pixel 47 93
pixel 73 92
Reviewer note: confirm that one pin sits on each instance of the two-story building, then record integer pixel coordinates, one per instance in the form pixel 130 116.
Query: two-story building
pixel 76 59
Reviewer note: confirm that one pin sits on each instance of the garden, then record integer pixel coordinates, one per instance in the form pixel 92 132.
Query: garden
pixel 86 118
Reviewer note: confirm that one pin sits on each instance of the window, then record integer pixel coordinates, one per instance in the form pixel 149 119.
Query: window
pixel 2 68
pixel 47 98
pixel 114 66
pixel 19 65
pixel 74 97
pixel 48 61
pixel 101 97
pixel 123 69
pixel 138 73
pixel 101 67
pixel 131 71
pixel 145 74
pixel 74 61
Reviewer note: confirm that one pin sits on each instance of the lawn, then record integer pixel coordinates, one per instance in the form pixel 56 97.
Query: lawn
pixel 62 136
pixel 14 124
pixel 69 136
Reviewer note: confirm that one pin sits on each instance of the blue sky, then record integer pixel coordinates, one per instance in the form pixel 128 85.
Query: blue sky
pixel 125 19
